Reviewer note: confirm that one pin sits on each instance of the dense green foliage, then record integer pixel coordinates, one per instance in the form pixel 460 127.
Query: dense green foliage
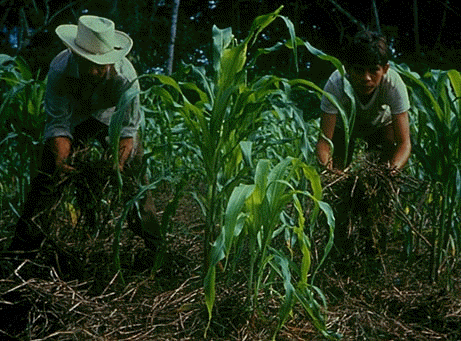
pixel 21 124
pixel 436 110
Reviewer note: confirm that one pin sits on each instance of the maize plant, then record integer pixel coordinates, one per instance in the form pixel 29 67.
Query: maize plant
pixel 115 128
pixel 436 109
pixel 224 110
pixel 253 215
pixel 22 118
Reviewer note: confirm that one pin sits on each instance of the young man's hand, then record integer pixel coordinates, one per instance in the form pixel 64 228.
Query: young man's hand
pixel 329 169
pixel 392 170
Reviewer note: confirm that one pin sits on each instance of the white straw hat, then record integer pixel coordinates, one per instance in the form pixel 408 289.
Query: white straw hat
pixel 96 39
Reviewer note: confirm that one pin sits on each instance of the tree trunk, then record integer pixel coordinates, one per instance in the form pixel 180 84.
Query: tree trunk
pixel 348 14
pixel 442 26
pixel 416 26
pixel 174 23
pixel 376 15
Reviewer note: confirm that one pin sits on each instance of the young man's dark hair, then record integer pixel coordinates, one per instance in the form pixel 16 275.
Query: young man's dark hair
pixel 367 48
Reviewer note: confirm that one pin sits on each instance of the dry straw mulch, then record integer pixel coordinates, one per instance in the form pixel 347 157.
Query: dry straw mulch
pixel 374 291
pixel 366 200
pixel 59 310
pixel 371 296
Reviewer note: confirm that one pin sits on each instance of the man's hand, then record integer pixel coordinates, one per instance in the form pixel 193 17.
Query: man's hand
pixel 61 146
pixel 124 152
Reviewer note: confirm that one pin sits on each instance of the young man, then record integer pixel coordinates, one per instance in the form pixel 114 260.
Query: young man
pixel 382 106
pixel 85 83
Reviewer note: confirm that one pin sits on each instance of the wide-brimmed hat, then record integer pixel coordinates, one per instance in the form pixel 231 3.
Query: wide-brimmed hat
pixel 95 39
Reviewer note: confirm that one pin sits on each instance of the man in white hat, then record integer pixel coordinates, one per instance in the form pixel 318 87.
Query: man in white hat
pixel 85 83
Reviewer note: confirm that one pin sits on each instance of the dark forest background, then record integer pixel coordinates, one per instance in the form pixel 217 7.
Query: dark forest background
pixel 423 33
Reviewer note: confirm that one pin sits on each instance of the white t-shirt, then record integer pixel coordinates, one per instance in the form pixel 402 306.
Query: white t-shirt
pixel 389 98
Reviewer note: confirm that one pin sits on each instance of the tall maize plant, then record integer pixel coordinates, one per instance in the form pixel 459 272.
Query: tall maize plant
pixel 436 108
pixel 224 110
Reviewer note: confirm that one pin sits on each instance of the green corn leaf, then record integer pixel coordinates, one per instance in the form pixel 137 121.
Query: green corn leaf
pixel 281 266
pixel 262 173
pixel 208 85
pixel 209 284
pixel 442 96
pixel 234 208
pixel 167 80
pixel 210 292
pixel 11 95
pixel 314 310
pixel 320 54
pixel 328 211
pixel 24 69
pixel 416 79
pixel 455 79
pixel 303 241
pixel 165 95
pixel 349 120
pixel 254 203
pixel 314 178
pixel 232 62
pixel 116 124
pixel 191 86
pixel 223 243
pixel 221 40
pixel 4 59
pixel 291 29
pixel 246 147
pixel 330 97
pixel 198 123
pixel 261 22
pixel 263 51
pixel 122 219
pixel 277 188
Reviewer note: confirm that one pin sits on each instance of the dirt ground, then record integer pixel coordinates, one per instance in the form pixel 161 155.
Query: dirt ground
pixel 71 293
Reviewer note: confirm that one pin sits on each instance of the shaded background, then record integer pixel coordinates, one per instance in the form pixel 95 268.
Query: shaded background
pixel 423 33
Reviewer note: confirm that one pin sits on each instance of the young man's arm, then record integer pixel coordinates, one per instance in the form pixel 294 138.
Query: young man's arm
pixel 327 129
pixel 401 129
